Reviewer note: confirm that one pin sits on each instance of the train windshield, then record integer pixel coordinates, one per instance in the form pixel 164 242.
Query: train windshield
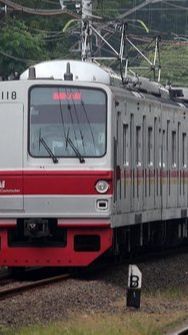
pixel 67 122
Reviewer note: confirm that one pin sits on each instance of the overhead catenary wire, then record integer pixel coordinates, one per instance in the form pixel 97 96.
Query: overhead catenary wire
pixel 175 6
pixel 53 35
pixel 23 60
pixel 140 6
pixel 42 12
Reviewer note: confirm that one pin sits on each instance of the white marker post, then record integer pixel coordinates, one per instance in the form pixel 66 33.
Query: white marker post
pixel 134 287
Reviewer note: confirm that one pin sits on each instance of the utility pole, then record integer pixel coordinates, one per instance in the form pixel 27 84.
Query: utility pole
pixel 3 11
pixel 86 45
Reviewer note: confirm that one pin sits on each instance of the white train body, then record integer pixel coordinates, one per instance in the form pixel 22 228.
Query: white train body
pixel 86 167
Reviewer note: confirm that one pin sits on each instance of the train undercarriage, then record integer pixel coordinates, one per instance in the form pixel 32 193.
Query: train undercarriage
pixel 60 244
pixel 151 236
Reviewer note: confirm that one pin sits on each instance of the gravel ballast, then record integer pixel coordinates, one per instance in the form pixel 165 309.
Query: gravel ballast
pixel 101 292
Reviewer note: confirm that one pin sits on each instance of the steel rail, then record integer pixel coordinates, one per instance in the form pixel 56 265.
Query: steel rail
pixel 183 331
pixel 22 288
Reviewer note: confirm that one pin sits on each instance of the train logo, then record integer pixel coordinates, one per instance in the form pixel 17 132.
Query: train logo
pixel 2 184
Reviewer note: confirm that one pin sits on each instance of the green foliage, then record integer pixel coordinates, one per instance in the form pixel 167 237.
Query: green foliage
pixel 18 48
pixel 174 64
pixel 94 326
pixel 26 39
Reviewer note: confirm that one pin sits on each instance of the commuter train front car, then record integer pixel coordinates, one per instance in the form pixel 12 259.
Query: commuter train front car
pixel 88 167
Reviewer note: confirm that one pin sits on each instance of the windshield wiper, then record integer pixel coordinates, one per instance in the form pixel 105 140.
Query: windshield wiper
pixel 88 121
pixel 76 151
pixel 45 145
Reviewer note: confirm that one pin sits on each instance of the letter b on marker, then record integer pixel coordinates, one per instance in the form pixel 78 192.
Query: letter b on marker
pixel 134 287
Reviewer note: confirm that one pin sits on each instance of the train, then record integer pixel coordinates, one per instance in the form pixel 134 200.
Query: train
pixel 89 166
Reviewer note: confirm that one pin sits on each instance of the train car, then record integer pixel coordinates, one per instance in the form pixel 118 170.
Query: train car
pixel 88 166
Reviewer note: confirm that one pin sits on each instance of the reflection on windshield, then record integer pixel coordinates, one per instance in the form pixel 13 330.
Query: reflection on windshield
pixel 58 113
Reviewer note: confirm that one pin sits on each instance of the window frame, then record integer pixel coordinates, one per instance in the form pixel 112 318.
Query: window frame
pixel 53 86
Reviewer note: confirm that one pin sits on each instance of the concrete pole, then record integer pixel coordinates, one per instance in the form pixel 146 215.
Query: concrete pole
pixel 86 33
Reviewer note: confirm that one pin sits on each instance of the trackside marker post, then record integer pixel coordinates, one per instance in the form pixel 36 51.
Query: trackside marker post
pixel 134 286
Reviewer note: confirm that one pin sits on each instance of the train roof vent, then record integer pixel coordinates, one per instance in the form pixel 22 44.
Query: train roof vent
pixel 79 71
pixel 32 73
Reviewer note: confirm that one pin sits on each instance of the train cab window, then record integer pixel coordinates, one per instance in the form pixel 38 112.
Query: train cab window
pixel 67 121
pixel 173 148
pixel 150 146
pixel 125 145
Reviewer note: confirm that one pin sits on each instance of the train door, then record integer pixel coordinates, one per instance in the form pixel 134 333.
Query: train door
pixel 157 158
pixel 164 157
pixel 149 164
pixel 11 157
pixel 135 162
pixel 152 151
pixel 144 157
pixel 126 189
pixel 132 154
pixel 170 126
pixel 172 154
pixel 118 160
pixel 138 160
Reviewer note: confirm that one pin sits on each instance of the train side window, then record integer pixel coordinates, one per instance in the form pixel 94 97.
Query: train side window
pixel 174 150
pixel 160 149
pixel 125 145
pixel 168 153
pixel 163 157
pixel 138 146
pixel 150 146
pixel 184 156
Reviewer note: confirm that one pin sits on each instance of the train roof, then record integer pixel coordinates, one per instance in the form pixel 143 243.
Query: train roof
pixel 80 71
pixel 90 72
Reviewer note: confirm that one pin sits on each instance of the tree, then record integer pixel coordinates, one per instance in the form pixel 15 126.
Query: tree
pixel 18 48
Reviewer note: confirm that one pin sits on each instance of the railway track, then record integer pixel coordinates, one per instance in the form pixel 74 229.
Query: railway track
pixel 183 331
pixel 16 287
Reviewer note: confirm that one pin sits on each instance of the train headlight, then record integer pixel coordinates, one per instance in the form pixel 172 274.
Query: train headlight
pixel 102 186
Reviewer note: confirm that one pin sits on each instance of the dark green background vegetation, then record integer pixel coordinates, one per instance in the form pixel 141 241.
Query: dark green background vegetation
pixel 27 39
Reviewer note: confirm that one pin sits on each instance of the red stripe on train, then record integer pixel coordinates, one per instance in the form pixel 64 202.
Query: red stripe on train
pixel 52 182
pixel 70 182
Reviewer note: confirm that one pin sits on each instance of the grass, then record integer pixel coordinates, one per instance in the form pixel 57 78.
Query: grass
pixel 159 312
pixel 91 326
pixel 128 323
pixel 171 294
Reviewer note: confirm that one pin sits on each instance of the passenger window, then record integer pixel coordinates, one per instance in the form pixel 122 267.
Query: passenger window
pixel 184 158
pixel 160 149
pixel 173 148
pixel 150 146
pixel 163 157
pixel 138 146
pixel 125 145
